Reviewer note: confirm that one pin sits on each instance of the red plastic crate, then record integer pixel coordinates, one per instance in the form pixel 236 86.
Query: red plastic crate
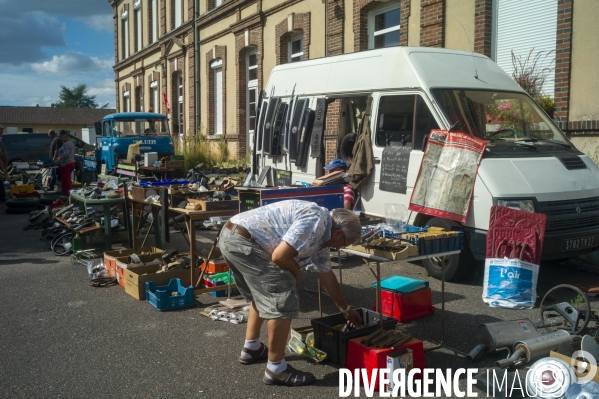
pixel 406 307
pixel 365 357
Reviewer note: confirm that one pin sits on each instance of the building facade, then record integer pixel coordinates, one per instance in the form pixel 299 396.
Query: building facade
pixel 212 79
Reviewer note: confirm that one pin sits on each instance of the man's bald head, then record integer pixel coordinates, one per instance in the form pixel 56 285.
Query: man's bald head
pixel 52 133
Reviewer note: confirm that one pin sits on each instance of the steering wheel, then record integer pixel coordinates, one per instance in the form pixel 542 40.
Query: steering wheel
pixel 497 133
pixel 570 313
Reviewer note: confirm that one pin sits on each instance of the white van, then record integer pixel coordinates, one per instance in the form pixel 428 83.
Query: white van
pixel 529 164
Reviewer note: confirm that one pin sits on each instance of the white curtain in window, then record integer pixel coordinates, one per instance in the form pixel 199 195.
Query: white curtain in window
pixel 154 20
pixel 178 16
pixel 522 27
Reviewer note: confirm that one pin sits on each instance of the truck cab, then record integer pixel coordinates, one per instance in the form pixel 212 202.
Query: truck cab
pixel 120 130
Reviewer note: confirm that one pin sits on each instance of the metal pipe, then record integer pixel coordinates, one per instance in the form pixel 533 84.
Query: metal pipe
pixel 510 361
pixel 474 353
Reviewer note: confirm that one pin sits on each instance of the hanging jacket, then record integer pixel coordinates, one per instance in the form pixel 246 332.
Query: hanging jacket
pixel 363 160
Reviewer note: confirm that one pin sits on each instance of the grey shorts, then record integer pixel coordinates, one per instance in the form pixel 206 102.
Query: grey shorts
pixel 271 288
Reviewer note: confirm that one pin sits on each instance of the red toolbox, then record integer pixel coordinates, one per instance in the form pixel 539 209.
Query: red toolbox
pixel 406 307
pixel 364 357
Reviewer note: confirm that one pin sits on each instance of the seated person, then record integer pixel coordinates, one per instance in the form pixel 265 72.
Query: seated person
pixel 349 195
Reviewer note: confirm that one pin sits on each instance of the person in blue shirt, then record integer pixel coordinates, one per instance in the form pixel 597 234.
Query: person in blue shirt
pixel 266 249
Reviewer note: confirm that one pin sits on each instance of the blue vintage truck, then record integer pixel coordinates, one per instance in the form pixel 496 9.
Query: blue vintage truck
pixel 117 131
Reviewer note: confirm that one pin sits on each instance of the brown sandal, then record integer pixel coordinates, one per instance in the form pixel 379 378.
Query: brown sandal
pixel 290 377
pixel 255 355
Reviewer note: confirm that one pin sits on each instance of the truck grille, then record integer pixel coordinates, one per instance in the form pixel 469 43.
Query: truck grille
pixel 568 215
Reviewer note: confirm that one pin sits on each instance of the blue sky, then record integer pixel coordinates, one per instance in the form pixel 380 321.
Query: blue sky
pixel 48 43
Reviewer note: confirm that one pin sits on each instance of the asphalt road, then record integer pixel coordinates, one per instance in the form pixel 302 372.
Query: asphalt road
pixel 59 337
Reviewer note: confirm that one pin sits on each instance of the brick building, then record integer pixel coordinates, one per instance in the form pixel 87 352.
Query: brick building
pixel 213 78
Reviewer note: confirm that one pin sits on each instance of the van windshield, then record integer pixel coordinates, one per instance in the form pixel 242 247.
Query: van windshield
pixel 498 116
pixel 140 127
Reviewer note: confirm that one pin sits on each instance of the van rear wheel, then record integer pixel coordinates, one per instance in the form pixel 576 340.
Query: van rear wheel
pixel 456 266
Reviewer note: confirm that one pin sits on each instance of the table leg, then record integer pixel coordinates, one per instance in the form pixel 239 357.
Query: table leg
pixel 340 274
pixel 133 229
pixel 143 244
pixel 440 344
pixel 319 299
pixel 107 226
pixel 192 244
pixel 180 231
pixel 378 293
pixel 157 226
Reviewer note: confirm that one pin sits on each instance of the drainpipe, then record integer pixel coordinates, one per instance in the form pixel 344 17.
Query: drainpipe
pixel 196 57
pixel 326 27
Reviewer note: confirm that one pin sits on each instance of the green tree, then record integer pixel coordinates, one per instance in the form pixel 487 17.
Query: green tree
pixel 76 98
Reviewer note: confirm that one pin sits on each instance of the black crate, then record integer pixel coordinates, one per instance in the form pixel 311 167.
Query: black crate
pixel 334 342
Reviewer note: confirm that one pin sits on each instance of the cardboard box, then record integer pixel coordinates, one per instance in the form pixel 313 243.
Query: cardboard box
pixel 175 164
pixel 230 205
pixel 136 278
pixel 578 364
pixel 403 251
pixel 139 193
pixel 127 262
pixel 302 332
pixel 110 257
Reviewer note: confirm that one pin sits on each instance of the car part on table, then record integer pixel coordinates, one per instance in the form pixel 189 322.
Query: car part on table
pixel 65 209
pixel 534 348
pixel 570 313
pixel 549 378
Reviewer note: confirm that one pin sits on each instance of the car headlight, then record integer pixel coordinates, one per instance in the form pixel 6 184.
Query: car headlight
pixel 521 205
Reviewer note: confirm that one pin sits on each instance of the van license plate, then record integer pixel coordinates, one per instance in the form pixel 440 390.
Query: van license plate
pixel 579 243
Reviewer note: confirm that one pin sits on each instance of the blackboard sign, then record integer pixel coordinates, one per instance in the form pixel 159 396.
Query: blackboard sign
pixel 282 178
pixel 394 169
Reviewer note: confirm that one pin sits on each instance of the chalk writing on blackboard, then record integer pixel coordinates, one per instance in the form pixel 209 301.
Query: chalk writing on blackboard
pixel 282 178
pixel 394 169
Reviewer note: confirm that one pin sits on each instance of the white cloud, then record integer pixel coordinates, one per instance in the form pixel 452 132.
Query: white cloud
pixel 99 22
pixel 70 62
pixel 104 92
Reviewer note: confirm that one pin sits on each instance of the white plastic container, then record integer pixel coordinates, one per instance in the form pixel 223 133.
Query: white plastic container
pixel 150 158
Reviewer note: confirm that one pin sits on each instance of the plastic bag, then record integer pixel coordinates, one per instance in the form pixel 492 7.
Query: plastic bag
pixel 396 216
pixel 96 268
pixel 510 283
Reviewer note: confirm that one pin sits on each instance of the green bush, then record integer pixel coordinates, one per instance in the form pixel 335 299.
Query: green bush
pixel 198 149
pixel 546 102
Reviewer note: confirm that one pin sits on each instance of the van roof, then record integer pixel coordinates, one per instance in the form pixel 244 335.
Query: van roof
pixel 387 69
pixel 140 115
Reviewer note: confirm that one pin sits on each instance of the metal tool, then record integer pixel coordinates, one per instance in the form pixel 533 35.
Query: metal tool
pixel 534 348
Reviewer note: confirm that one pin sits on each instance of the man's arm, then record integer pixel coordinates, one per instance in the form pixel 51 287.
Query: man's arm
pixel 331 286
pixel 283 256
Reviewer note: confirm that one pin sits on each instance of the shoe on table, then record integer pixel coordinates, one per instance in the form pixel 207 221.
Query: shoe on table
pixel 289 377
pixel 255 355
